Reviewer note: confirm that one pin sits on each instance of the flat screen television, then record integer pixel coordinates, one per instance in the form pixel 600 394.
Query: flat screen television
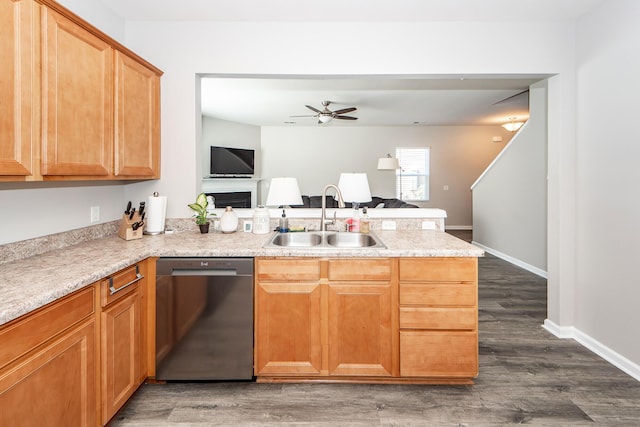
pixel 232 161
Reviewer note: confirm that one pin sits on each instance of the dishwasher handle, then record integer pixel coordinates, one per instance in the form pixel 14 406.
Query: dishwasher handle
pixel 204 272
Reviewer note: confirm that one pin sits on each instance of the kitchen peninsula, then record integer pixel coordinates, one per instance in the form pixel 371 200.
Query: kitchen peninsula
pixel 421 292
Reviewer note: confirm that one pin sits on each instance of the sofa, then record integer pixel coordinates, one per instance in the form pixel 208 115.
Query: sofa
pixel 376 202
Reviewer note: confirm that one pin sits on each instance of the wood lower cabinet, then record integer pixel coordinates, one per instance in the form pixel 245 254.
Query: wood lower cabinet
pixel 288 320
pixel 48 365
pixel 438 318
pixel 76 361
pixel 404 320
pixel 361 317
pixel 122 338
pixel 315 319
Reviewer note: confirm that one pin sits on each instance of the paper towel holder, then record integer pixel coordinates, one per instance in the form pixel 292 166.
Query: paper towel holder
pixel 152 208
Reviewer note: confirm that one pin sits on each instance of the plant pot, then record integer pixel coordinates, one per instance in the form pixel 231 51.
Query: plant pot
pixel 204 228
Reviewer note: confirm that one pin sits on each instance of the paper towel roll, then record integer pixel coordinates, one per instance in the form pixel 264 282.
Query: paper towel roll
pixel 156 209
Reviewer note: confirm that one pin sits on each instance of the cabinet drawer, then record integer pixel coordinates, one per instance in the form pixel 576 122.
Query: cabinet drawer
pixel 439 269
pixel 438 354
pixel 438 318
pixel 438 294
pixel 29 332
pixel 119 284
pixel 360 269
pixel 288 269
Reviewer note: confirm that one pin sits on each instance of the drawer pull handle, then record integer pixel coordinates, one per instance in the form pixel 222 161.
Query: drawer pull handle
pixel 113 290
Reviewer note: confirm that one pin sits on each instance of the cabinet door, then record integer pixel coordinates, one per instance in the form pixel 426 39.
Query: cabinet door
pixel 54 386
pixel 451 354
pixel 18 86
pixel 287 336
pixel 121 353
pixel 137 119
pixel 77 100
pixel 360 329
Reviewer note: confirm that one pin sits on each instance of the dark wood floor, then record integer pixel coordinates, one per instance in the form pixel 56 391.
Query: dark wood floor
pixel 527 376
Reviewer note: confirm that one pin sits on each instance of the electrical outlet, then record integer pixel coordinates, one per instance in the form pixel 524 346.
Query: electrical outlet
pixel 95 213
pixel 428 225
pixel 388 225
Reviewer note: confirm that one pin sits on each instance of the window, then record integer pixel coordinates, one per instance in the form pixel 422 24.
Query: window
pixel 412 179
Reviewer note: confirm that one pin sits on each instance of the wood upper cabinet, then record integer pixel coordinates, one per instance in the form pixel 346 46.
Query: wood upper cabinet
pixel 79 106
pixel 137 119
pixel 19 81
pixel 48 365
pixel 77 100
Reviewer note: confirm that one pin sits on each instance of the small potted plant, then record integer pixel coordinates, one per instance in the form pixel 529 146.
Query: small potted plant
pixel 201 213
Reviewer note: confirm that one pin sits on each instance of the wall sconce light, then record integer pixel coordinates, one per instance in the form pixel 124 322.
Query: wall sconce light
pixel 512 126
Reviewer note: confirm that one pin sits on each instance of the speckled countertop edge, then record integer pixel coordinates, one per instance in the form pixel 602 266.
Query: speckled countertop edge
pixel 30 283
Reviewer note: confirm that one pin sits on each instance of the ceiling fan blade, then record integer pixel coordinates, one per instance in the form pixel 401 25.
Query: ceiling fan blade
pixel 510 97
pixel 310 115
pixel 345 117
pixel 345 110
pixel 315 110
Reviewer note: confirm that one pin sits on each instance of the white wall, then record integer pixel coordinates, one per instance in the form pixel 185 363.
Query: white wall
pixel 510 199
pixel 316 157
pixel 607 290
pixel 228 134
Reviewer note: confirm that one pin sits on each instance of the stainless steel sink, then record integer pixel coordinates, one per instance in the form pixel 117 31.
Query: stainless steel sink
pixel 297 239
pixel 351 240
pixel 325 240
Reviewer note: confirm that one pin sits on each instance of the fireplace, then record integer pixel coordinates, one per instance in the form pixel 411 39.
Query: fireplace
pixel 234 192
pixel 235 199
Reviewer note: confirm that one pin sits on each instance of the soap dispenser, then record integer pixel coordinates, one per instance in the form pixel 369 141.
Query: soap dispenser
pixel 364 222
pixel 283 226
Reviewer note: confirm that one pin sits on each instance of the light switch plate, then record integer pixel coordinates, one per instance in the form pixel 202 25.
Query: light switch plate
pixel 388 225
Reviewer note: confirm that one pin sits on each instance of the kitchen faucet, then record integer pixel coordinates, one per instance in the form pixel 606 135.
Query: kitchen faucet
pixel 323 218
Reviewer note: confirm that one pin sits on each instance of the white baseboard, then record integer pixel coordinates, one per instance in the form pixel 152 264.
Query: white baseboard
pixel 515 261
pixel 595 346
pixel 458 227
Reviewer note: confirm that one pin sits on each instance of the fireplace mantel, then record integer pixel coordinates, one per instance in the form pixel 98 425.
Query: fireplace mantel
pixel 231 185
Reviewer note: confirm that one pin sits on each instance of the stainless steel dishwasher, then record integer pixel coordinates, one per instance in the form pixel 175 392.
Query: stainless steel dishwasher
pixel 204 319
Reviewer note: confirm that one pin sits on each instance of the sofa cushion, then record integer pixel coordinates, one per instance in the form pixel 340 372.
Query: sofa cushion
pixel 316 202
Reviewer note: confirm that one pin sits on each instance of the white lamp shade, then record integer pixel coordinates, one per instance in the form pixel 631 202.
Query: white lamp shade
pixel 388 163
pixel 284 192
pixel 354 187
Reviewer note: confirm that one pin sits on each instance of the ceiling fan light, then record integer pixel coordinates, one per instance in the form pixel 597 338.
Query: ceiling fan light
pixel 325 118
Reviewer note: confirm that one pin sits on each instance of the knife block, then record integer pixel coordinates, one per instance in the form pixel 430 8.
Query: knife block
pixel 125 231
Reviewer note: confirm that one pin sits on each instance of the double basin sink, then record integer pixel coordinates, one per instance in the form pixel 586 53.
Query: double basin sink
pixel 325 239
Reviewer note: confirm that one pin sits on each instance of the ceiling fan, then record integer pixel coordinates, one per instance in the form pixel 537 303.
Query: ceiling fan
pixel 325 115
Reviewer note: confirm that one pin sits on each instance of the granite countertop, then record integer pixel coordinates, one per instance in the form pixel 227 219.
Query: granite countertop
pixel 30 283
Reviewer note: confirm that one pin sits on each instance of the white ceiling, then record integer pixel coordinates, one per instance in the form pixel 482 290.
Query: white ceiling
pixel 381 101
pixel 351 10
